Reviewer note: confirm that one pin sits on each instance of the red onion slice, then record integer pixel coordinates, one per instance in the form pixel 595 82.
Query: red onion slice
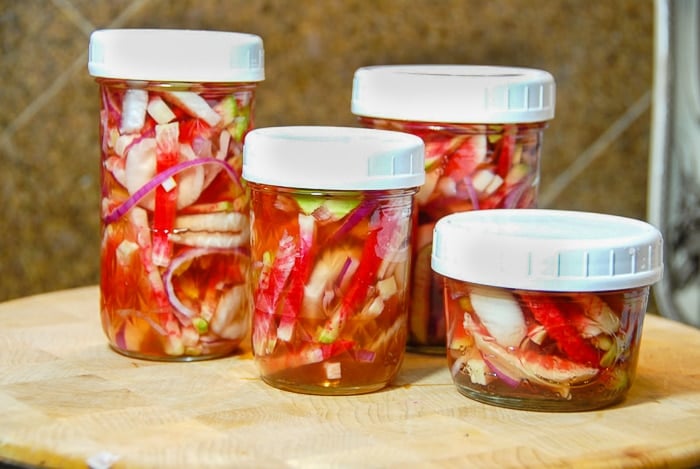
pixel 360 212
pixel 471 191
pixel 161 177
pixel 184 313
pixel 365 356
pixel 501 373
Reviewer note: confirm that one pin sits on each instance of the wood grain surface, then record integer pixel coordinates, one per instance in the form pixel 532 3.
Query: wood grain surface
pixel 67 400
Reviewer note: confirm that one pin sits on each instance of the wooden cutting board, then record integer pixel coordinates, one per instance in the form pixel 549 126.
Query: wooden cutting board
pixel 67 400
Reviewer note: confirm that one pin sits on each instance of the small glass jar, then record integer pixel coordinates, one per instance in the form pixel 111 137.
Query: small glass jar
pixel 545 308
pixel 331 211
pixel 483 128
pixel 175 107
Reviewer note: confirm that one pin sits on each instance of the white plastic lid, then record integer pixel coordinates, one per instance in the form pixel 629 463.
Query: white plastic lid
pixel 454 93
pixel 547 250
pixel 340 158
pixel 179 55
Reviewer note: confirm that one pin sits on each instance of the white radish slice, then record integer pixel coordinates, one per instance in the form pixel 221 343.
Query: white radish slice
pixel 217 221
pixel 140 167
pixel 195 105
pixel 204 239
pixel 224 322
pixel 159 111
pixel 133 110
pixel 500 314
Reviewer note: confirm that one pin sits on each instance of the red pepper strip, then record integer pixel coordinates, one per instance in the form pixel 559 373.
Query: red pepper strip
pixel 190 128
pixel 167 156
pixel 505 155
pixel 299 275
pixel 272 285
pixel 139 222
pixel 268 292
pixel 464 160
pixel 546 312
pixel 363 278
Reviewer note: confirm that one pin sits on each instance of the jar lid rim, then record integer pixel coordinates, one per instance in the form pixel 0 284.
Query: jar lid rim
pixel 334 158
pixel 469 94
pixel 178 55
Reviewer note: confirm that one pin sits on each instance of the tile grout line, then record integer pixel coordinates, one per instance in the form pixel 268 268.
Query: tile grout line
pixel 74 15
pixel 594 151
pixel 35 106
pixel 60 82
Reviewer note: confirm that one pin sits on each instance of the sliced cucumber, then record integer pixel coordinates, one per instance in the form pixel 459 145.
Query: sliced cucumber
pixel 338 208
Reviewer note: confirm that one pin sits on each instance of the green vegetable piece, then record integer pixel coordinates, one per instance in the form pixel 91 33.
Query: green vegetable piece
pixel 330 333
pixel 517 173
pixel 493 138
pixel 201 325
pixel 338 208
pixel 616 379
pixel 611 355
pixel 268 257
pixel 227 109
pixel 238 127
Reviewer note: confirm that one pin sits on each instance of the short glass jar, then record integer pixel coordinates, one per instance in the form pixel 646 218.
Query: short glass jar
pixel 545 308
pixel 175 107
pixel 331 211
pixel 483 128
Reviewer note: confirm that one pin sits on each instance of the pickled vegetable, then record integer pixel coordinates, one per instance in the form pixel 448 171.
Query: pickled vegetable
pixel 468 167
pixel 543 350
pixel 330 275
pixel 175 221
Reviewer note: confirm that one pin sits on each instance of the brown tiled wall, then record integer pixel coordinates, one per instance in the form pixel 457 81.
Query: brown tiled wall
pixel 599 51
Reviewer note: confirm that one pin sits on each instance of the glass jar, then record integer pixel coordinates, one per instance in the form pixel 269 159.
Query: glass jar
pixel 483 128
pixel 545 308
pixel 331 212
pixel 175 107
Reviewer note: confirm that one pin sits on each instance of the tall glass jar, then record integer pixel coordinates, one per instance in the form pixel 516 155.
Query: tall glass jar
pixel 483 128
pixel 175 106
pixel 330 237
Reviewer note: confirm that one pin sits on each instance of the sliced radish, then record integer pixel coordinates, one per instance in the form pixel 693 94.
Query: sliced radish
pixel 194 105
pixel 134 110
pixel 159 110
pixel 333 370
pixel 556 369
pixel 482 179
pixel 479 371
pixel 500 314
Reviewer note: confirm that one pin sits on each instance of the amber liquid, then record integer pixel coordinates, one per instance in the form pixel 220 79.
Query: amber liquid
pixel 192 304
pixel 352 265
pixel 578 352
